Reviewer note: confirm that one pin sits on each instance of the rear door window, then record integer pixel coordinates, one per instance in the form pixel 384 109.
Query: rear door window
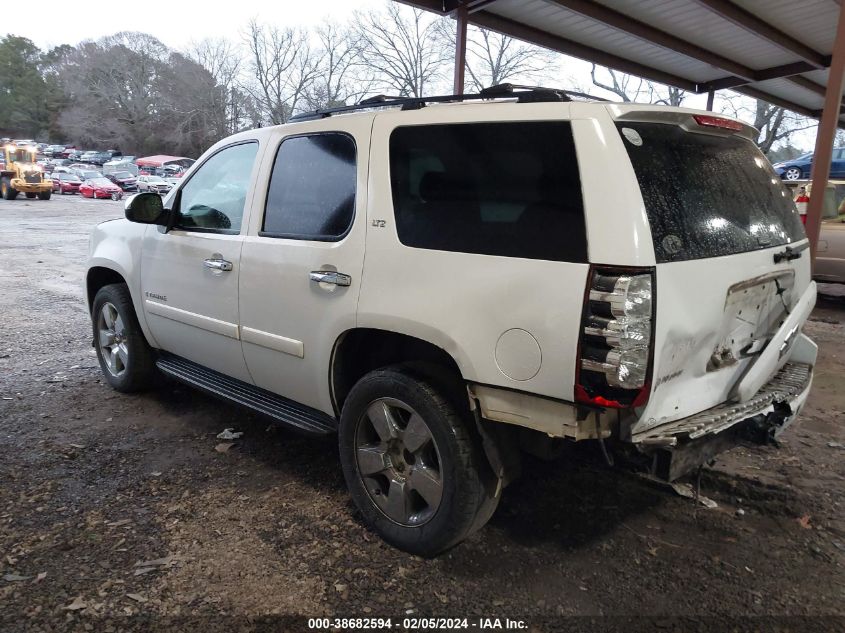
pixel 506 189
pixel 708 195
pixel 312 188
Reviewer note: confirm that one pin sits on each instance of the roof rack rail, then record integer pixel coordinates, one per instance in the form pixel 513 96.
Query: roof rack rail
pixel 523 94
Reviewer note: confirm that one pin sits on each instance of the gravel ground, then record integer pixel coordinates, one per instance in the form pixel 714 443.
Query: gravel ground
pixel 117 512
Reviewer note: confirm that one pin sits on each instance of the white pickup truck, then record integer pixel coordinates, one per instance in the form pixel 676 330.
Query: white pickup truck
pixel 444 285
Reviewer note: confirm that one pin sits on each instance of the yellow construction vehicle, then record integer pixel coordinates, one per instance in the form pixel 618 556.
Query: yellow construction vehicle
pixel 20 173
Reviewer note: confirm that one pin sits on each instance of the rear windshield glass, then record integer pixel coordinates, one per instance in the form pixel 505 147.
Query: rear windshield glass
pixel 505 189
pixel 708 195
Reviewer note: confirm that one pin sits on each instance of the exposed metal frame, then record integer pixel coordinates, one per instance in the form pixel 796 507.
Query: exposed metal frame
pixel 742 75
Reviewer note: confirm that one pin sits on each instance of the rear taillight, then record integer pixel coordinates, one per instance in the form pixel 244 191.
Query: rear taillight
pixel 707 120
pixel 616 338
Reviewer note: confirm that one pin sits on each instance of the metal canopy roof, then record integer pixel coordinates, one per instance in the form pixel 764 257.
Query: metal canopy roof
pixel 775 50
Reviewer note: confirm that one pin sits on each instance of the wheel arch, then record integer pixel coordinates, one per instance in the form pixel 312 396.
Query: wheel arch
pixel 103 273
pixel 359 351
pixel 96 278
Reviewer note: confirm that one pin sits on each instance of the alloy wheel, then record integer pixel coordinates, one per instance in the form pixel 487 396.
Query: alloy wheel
pixel 111 339
pixel 399 462
pixel 793 173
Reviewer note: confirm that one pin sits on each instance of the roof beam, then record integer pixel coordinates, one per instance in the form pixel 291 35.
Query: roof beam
pixel 506 26
pixel 762 29
pixel 652 35
pixel 775 72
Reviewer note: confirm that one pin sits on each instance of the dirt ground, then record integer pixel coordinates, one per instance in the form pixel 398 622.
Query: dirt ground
pixel 117 512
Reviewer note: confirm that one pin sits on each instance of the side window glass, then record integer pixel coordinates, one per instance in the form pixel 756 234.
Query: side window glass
pixel 312 189
pixel 214 197
pixel 504 189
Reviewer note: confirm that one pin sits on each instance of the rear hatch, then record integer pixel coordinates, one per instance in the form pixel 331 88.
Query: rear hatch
pixel 731 256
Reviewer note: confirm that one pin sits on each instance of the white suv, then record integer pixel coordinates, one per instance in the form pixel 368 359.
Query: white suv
pixel 447 284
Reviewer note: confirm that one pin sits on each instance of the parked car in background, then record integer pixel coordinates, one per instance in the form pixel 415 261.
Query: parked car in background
pixel 123 179
pixel 100 188
pixel 830 257
pixel 88 173
pixel 121 163
pixel 66 183
pixel 799 168
pixel 156 184
pixel 87 157
pixel 54 150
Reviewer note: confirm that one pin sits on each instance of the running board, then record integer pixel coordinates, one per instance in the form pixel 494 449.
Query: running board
pixel 295 415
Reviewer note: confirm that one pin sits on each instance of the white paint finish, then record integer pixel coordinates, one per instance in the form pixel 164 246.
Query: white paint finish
pixel 463 302
pixel 199 297
pixel 690 310
pixel 617 225
pixel 273 341
pixel 216 326
pixel 518 355
pixel 202 326
pixel 557 419
pixel 277 296
pixel 774 357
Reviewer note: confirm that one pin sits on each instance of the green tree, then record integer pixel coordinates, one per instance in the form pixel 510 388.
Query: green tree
pixel 24 103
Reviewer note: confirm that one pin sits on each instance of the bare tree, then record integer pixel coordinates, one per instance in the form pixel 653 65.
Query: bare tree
pixel 403 48
pixel 493 58
pixel 632 88
pixel 776 124
pixel 222 60
pixel 338 79
pixel 281 69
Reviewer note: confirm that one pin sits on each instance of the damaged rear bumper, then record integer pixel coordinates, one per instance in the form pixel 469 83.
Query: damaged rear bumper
pixel 681 446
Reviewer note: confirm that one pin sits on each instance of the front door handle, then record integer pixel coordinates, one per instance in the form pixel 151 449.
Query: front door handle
pixel 218 264
pixel 330 277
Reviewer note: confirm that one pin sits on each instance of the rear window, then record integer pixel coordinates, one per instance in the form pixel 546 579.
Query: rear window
pixel 708 195
pixel 506 189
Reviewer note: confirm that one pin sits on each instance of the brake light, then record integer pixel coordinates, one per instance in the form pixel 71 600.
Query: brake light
pixel 615 348
pixel 716 121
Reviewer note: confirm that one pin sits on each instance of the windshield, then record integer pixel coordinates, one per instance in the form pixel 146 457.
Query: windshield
pixel 122 174
pixel 157 180
pixel 101 182
pixel 21 156
pixel 708 195
pixel 68 177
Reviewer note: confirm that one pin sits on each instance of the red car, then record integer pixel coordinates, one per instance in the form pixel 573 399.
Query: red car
pixel 100 188
pixel 65 183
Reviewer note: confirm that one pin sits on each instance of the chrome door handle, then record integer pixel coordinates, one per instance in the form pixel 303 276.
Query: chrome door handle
pixel 330 277
pixel 217 264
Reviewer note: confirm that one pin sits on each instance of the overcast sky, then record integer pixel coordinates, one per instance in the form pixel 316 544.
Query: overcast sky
pixel 176 22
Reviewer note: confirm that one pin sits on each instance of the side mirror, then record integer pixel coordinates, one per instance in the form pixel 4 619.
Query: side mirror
pixel 146 208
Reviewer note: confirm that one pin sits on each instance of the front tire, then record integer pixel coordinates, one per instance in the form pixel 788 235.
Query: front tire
pixel 7 190
pixel 411 463
pixel 793 173
pixel 44 195
pixel 126 359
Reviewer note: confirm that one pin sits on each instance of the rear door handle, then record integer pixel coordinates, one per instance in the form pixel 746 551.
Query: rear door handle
pixel 218 264
pixel 330 277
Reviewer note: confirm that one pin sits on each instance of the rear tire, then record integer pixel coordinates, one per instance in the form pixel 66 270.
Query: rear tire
pixel 44 195
pixel 126 359
pixel 30 194
pixel 411 463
